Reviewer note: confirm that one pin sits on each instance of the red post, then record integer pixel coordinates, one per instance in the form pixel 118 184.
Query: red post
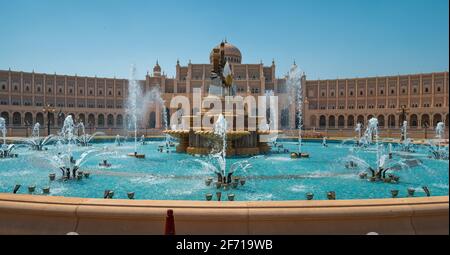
pixel 170 223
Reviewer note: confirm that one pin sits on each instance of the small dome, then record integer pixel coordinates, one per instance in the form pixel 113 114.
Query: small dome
pixel 232 53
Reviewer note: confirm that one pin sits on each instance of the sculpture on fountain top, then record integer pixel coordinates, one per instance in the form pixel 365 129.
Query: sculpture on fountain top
pixel 240 140
pixel 221 74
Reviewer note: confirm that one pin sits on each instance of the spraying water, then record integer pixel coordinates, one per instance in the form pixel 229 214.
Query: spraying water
pixel 404 131
pixel 3 129
pixel 371 133
pixel 439 151
pixel 406 143
pixel 180 122
pixel 36 142
pixel 358 129
pixel 35 132
pixel 440 129
pixel 220 129
pixel 134 94
pixel 294 85
pixel 118 142
pixel 154 97
pixel 84 139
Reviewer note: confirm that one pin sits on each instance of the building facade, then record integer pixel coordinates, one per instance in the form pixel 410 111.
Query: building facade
pixel 328 104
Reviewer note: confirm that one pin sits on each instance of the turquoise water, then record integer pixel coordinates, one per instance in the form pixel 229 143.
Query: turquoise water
pixel 173 176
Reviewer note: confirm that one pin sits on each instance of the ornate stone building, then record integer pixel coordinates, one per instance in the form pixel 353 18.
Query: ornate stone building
pixel 342 103
pixel 329 104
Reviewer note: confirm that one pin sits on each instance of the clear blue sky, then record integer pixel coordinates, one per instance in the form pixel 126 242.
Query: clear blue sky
pixel 327 38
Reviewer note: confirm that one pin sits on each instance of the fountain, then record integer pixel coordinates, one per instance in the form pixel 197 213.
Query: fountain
pixel 142 141
pixel 358 129
pixel 64 158
pixel 384 161
pixel 135 95
pixel 85 139
pixel 294 85
pixel 220 129
pixel 197 139
pixel 370 134
pixel 36 142
pixel 118 141
pixel 6 151
pixel 324 141
pixel 406 144
pixel 390 151
pixel 437 149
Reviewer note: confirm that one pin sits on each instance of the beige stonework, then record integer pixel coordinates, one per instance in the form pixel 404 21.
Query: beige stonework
pixel 332 107
pixel 31 214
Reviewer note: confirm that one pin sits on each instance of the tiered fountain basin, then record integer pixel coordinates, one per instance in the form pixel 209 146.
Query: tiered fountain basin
pixel 239 142
pixel 273 200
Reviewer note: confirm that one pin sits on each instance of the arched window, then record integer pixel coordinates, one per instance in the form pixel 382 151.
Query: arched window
pixel 51 117
pixel 17 119
pixel 119 120
pixel 101 120
pixel 350 121
pixel 436 119
pixel 82 118
pixel 425 120
pixel 332 121
pixel 360 119
pixel 322 121
pixel 391 121
pixel 91 120
pixel 28 118
pixel 110 120
pixel 413 121
pixel 341 121
pixel 61 118
pixel 40 118
pixel 5 115
pixel 381 121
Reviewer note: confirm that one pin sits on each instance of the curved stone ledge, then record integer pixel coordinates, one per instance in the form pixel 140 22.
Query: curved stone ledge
pixel 32 214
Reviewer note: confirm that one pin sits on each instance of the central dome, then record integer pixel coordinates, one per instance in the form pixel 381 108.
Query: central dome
pixel 232 53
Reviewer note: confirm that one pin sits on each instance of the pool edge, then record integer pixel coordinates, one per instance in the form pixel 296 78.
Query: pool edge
pixel 33 214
